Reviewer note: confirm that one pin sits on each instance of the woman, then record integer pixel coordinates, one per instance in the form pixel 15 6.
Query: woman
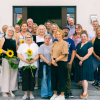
pixel 39 41
pixel 77 39
pixel 34 31
pixel 8 42
pixel 19 37
pixel 54 27
pixel 84 57
pixel 4 29
pixel 96 57
pixel 28 81
pixel 59 54
pixel 45 67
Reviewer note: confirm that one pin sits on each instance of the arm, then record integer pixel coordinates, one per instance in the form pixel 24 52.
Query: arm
pixel 17 39
pixel 1 45
pixel 90 51
pixel 60 57
pixel 71 36
pixel 72 56
pixel 43 58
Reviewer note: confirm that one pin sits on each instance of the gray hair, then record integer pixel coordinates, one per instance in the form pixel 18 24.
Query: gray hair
pixel 34 24
pixel 47 35
pixel 10 28
pixel 26 35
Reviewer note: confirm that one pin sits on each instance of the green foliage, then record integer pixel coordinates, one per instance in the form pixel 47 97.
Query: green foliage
pixel 19 22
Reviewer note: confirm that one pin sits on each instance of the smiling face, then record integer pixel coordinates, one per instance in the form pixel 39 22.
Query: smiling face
pixel 84 37
pixel 17 28
pixel 66 31
pixel 71 21
pixel 98 32
pixel 29 22
pixel 58 36
pixel 54 28
pixel 4 29
pixel 47 39
pixel 10 32
pixel 41 30
pixel 34 28
pixel 95 24
pixel 78 29
pixel 48 25
pixel 28 39
pixel 24 27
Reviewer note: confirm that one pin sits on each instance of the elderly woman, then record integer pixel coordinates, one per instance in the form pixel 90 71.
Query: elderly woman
pixel 28 81
pixel 34 31
pixel 4 29
pixel 59 54
pixel 84 57
pixel 45 67
pixel 9 81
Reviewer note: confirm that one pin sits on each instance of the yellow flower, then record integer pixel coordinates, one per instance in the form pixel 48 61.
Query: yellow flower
pixel 10 53
pixel 22 41
pixel 29 52
pixel 1 51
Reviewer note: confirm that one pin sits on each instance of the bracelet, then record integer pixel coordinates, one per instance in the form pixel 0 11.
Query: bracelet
pixel 81 61
pixel 55 60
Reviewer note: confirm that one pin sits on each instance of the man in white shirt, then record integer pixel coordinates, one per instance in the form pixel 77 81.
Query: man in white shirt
pixel 91 34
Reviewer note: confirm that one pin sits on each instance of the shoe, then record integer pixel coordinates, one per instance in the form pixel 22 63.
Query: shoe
pixel 53 97
pixel 31 96
pixel 4 94
pixel 24 97
pixel 95 84
pixel 69 95
pixel 49 97
pixel 11 94
pixel 36 87
pixel 60 98
pixel 84 96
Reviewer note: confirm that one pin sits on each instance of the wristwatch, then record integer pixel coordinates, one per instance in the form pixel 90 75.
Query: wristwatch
pixel 55 60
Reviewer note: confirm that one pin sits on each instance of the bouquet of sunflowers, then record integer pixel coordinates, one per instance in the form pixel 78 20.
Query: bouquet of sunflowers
pixel 29 54
pixel 11 58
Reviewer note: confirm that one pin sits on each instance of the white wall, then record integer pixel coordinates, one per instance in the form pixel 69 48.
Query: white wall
pixel 84 8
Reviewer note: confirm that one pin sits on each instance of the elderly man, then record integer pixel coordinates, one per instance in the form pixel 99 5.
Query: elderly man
pixel 71 26
pixel 48 26
pixel 29 22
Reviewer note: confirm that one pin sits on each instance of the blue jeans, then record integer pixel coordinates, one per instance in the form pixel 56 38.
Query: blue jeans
pixel 46 83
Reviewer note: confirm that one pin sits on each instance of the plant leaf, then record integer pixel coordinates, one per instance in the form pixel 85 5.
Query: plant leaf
pixel 33 67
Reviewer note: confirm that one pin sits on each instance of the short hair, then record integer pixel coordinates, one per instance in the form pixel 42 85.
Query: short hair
pixel 71 18
pixel 26 35
pixel 34 24
pixel 98 27
pixel 44 29
pixel 47 35
pixel 84 32
pixel 95 21
pixel 47 22
pixel 4 26
pixel 28 19
pixel 60 31
pixel 10 28
pixel 23 23
pixel 17 24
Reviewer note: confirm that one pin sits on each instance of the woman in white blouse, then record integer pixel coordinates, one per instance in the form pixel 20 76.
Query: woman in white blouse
pixel 28 82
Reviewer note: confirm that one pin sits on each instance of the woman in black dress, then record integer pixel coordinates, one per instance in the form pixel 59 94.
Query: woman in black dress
pixel 84 57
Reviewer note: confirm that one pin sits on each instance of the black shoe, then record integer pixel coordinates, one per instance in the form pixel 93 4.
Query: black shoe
pixel 44 98
pixel 69 95
pixel 49 97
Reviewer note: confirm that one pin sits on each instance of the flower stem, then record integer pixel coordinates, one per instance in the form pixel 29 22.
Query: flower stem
pixel 9 69
pixel 31 70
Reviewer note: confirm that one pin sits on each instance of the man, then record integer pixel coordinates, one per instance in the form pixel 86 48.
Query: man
pixel 71 26
pixel 48 26
pixel 17 28
pixel 71 55
pixel 91 34
pixel 29 23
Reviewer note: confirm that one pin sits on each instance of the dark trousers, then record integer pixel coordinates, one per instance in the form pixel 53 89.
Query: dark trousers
pixel 68 78
pixel 28 82
pixel 58 75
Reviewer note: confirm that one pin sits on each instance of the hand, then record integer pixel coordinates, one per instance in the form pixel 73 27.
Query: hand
pixel 32 61
pixel 54 63
pixel 81 58
pixel 98 58
pixel 49 63
pixel 70 63
pixel 80 63
pixel 27 61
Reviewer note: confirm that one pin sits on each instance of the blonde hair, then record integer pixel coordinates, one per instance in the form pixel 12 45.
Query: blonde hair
pixel 44 29
pixel 10 28
pixel 98 27
pixel 4 26
pixel 60 31
pixel 26 35
pixel 55 25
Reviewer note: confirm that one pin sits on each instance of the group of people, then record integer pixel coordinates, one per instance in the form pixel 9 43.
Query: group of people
pixel 55 52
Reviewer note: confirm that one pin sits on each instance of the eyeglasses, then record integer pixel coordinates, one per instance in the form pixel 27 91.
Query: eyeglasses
pixel 28 37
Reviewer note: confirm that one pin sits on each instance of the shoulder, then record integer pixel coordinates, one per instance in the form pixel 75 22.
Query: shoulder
pixel 93 39
pixel 34 44
pixel 42 45
pixel 71 36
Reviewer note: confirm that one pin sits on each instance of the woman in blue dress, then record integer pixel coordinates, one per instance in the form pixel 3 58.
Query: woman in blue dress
pixel 84 62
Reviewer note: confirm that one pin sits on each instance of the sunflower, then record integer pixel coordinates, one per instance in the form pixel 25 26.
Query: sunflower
pixel 10 53
pixel 29 52
pixel 1 51
pixel 22 41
